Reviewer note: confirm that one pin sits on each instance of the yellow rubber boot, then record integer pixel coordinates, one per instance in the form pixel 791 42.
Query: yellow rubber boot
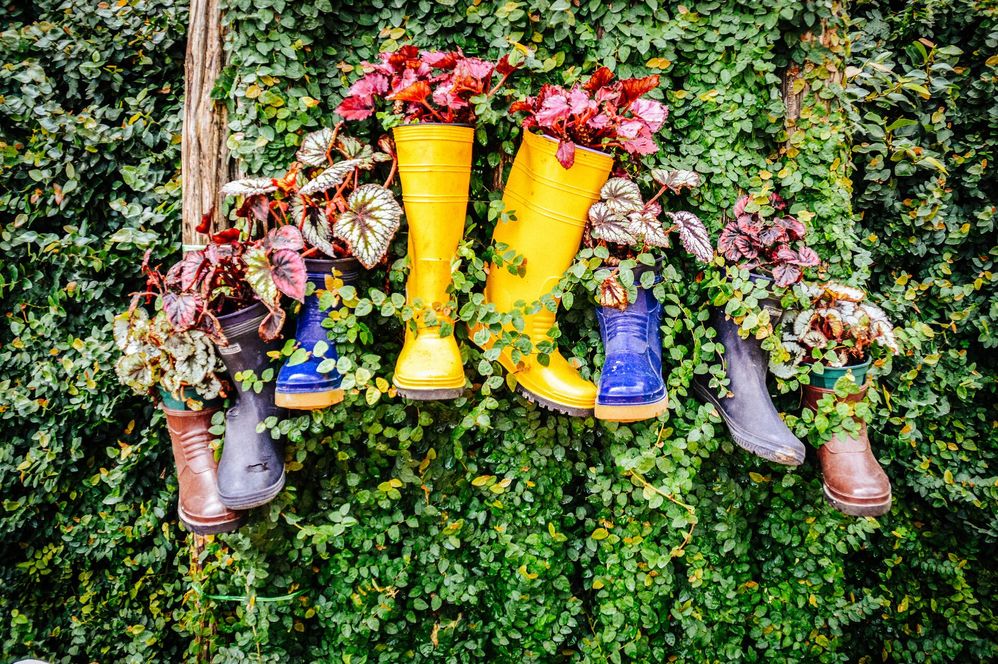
pixel 551 206
pixel 435 169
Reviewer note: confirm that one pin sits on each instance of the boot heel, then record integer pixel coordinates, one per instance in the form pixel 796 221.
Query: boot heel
pixel 430 394
pixel 631 413
pixel 308 400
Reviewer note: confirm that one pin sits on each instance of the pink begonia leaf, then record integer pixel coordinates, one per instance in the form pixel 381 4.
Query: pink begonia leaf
pixel 553 109
pixel 807 257
pixel 630 128
pixel 354 108
pixel 443 96
pixel 477 68
pixel 440 59
pixel 598 121
pixel 653 113
pixel 580 102
pixel 640 145
pixel 786 274
pixel 566 153
pixel 368 86
pixel 740 206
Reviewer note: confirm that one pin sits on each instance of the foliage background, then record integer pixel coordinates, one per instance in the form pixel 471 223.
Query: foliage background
pixel 486 529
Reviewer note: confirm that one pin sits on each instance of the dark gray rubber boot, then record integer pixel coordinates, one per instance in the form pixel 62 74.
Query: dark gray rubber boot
pixel 752 419
pixel 251 470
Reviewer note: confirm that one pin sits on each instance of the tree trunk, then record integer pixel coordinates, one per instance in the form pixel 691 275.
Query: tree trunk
pixel 205 157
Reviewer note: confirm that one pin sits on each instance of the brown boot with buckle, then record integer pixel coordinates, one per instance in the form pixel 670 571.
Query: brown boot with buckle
pixel 199 506
pixel 855 484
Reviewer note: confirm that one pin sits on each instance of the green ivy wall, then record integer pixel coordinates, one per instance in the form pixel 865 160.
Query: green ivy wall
pixel 485 529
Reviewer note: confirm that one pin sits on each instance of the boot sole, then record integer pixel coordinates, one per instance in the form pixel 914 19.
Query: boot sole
pixel 209 529
pixel 749 442
pixel 553 405
pixel 308 400
pixel 443 394
pixel 631 413
pixel 854 509
pixel 247 502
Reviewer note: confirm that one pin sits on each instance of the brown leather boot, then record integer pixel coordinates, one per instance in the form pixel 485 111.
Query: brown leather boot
pixel 855 484
pixel 199 505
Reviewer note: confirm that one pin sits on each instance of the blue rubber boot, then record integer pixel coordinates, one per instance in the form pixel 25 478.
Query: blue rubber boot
pixel 631 387
pixel 302 387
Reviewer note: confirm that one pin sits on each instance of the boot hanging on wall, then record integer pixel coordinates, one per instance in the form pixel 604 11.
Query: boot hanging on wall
pixel 251 470
pixel 631 387
pixel 749 413
pixel 854 483
pixel 550 204
pixel 301 386
pixel 199 506
pixel 435 170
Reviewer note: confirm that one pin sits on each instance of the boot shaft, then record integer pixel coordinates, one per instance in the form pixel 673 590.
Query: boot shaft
pixel 635 329
pixel 308 327
pixel 435 171
pixel 551 204
pixel 248 352
pixel 190 439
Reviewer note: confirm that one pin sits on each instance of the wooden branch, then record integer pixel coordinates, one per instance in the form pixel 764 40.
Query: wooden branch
pixel 205 159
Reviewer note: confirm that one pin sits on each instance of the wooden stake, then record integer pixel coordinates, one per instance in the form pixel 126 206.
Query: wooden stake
pixel 205 159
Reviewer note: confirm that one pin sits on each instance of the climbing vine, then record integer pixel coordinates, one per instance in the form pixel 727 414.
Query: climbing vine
pixel 484 527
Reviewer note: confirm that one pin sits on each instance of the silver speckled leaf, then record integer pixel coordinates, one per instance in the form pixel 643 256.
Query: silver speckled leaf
pixel 676 180
pixel 370 223
pixel 314 147
pixel 693 234
pixel 621 195
pixel 329 178
pixel 609 226
pixel 249 187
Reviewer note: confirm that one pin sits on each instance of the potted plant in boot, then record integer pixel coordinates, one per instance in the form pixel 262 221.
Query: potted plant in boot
pixel 570 141
pixel 232 290
pixel 631 386
pixel 766 240
pixel 431 99
pixel 836 335
pixel 346 221
pixel 182 371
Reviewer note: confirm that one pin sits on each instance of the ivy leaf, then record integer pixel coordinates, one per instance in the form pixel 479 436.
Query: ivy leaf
pixel 181 309
pixel 693 234
pixel 329 178
pixel 314 227
pixel 786 274
pixel 249 187
pixel 676 180
pixel 288 273
pixel 284 237
pixel 622 196
pixel 259 275
pixel 612 293
pixel 270 327
pixel 315 147
pixel 609 226
pixel 369 224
